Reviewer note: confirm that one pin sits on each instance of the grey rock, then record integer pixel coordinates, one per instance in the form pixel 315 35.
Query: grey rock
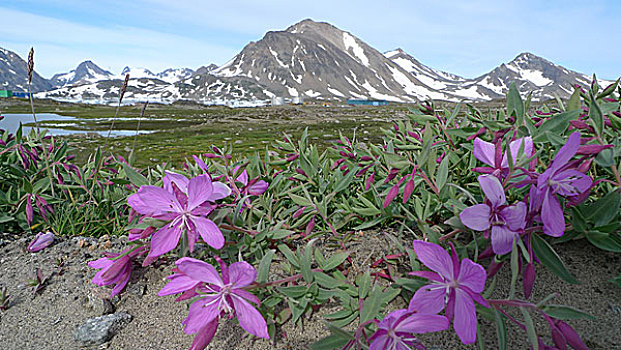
pixel 99 306
pixel 98 330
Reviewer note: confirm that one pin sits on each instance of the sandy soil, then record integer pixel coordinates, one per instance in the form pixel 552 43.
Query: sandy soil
pixel 48 319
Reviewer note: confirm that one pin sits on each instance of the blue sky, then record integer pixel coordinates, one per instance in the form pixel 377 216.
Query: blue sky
pixel 468 38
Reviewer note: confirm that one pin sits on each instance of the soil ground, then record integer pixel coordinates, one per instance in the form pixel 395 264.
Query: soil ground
pixel 47 320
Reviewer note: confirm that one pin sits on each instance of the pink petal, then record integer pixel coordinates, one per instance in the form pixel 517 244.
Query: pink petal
pixel 204 335
pixel 552 215
pixel 209 231
pixel 572 182
pixel 199 271
pixel 484 151
pixel 178 283
pixel 247 295
pixel 381 341
pixel 201 313
pixel 465 321
pixel 491 186
pixel 432 276
pixel 502 239
pixel 121 284
pixel 258 188
pixel 100 263
pixel 249 318
pixel 164 240
pixel 243 177
pixel 472 275
pixel 428 299
pixel 514 146
pixel 476 217
pixel 178 179
pixel 566 152
pixel 422 323
pixel 434 257
pixel 220 191
pixel 515 216
pixel 152 200
pixel 199 191
pixel 241 274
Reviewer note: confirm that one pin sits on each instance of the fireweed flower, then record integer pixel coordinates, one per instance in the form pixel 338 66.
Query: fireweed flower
pixel 493 156
pixel 253 187
pixel 454 286
pixel 186 205
pixel 505 220
pixel 115 271
pixel 560 178
pixel 218 296
pixel 397 330
pixel 41 241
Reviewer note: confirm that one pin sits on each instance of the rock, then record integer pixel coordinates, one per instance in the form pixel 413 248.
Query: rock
pixel 100 306
pixel 98 330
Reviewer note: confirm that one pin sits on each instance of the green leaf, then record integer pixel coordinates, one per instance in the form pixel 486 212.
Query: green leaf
pixel 604 209
pixel 291 257
pixel 330 342
pixel 264 266
pixel 501 330
pixel 335 260
pixel 596 116
pixel 566 313
pixel 372 305
pixel 515 105
pixel 605 158
pixel 574 101
pixel 605 240
pixel 364 284
pixel 299 200
pixel 135 177
pixel 442 173
pixel 556 124
pixel 530 329
pixel 551 260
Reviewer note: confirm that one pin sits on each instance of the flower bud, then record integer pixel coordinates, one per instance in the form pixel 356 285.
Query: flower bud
pixel 41 241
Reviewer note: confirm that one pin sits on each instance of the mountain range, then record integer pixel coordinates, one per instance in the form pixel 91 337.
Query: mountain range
pixel 312 60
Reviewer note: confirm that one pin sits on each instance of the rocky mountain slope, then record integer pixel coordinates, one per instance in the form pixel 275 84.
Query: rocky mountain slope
pixel 85 72
pixel 14 74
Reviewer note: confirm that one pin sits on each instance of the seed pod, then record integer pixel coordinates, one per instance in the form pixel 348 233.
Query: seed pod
pixel 30 64
pixel 124 87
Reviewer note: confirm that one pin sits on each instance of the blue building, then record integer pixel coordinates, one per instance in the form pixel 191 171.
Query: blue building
pixel 367 102
pixel 21 94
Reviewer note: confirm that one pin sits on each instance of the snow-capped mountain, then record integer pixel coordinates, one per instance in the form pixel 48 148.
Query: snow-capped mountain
pixel 173 75
pixel 86 72
pixel 312 60
pixel 14 74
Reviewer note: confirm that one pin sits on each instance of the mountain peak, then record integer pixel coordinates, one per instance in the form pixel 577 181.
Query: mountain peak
pixel 309 25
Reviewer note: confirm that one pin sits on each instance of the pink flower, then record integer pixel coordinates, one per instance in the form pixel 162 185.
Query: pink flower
pixel 493 156
pixel 218 296
pixel 41 241
pixel 115 271
pixel 185 204
pixel 396 331
pixel 454 286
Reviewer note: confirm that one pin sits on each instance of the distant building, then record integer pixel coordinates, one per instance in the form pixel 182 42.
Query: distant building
pixel 21 94
pixel 6 93
pixel 298 100
pixel 367 102
pixel 278 101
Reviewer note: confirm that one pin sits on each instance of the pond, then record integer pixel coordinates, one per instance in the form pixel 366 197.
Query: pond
pixel 11 122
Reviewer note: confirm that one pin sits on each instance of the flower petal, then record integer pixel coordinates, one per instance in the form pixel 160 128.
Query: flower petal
pixel 178 179
pixel 434 257
pixel 258 188
pixel 515 216
pixel 428 299
pixel 179 283
pixel 243 177
pixel 552 215
pixel 566 152
pixel 572 182
pixel 491 186
pixel 122 283
pixel 502 239
pixel 514 146
pixel 153 200
pixel 247 295
pixel 241 274
pixel 484 151
pixel 199 190
pixel 164 240
pixel 465 321
pixel 422 323
pixel 201 313
pixel 249 318
pixel 204 335
pixel 199 271
pixel 220 191
pixel 209 231
pixel 472 275
pixel 381 341
pixel 476 217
